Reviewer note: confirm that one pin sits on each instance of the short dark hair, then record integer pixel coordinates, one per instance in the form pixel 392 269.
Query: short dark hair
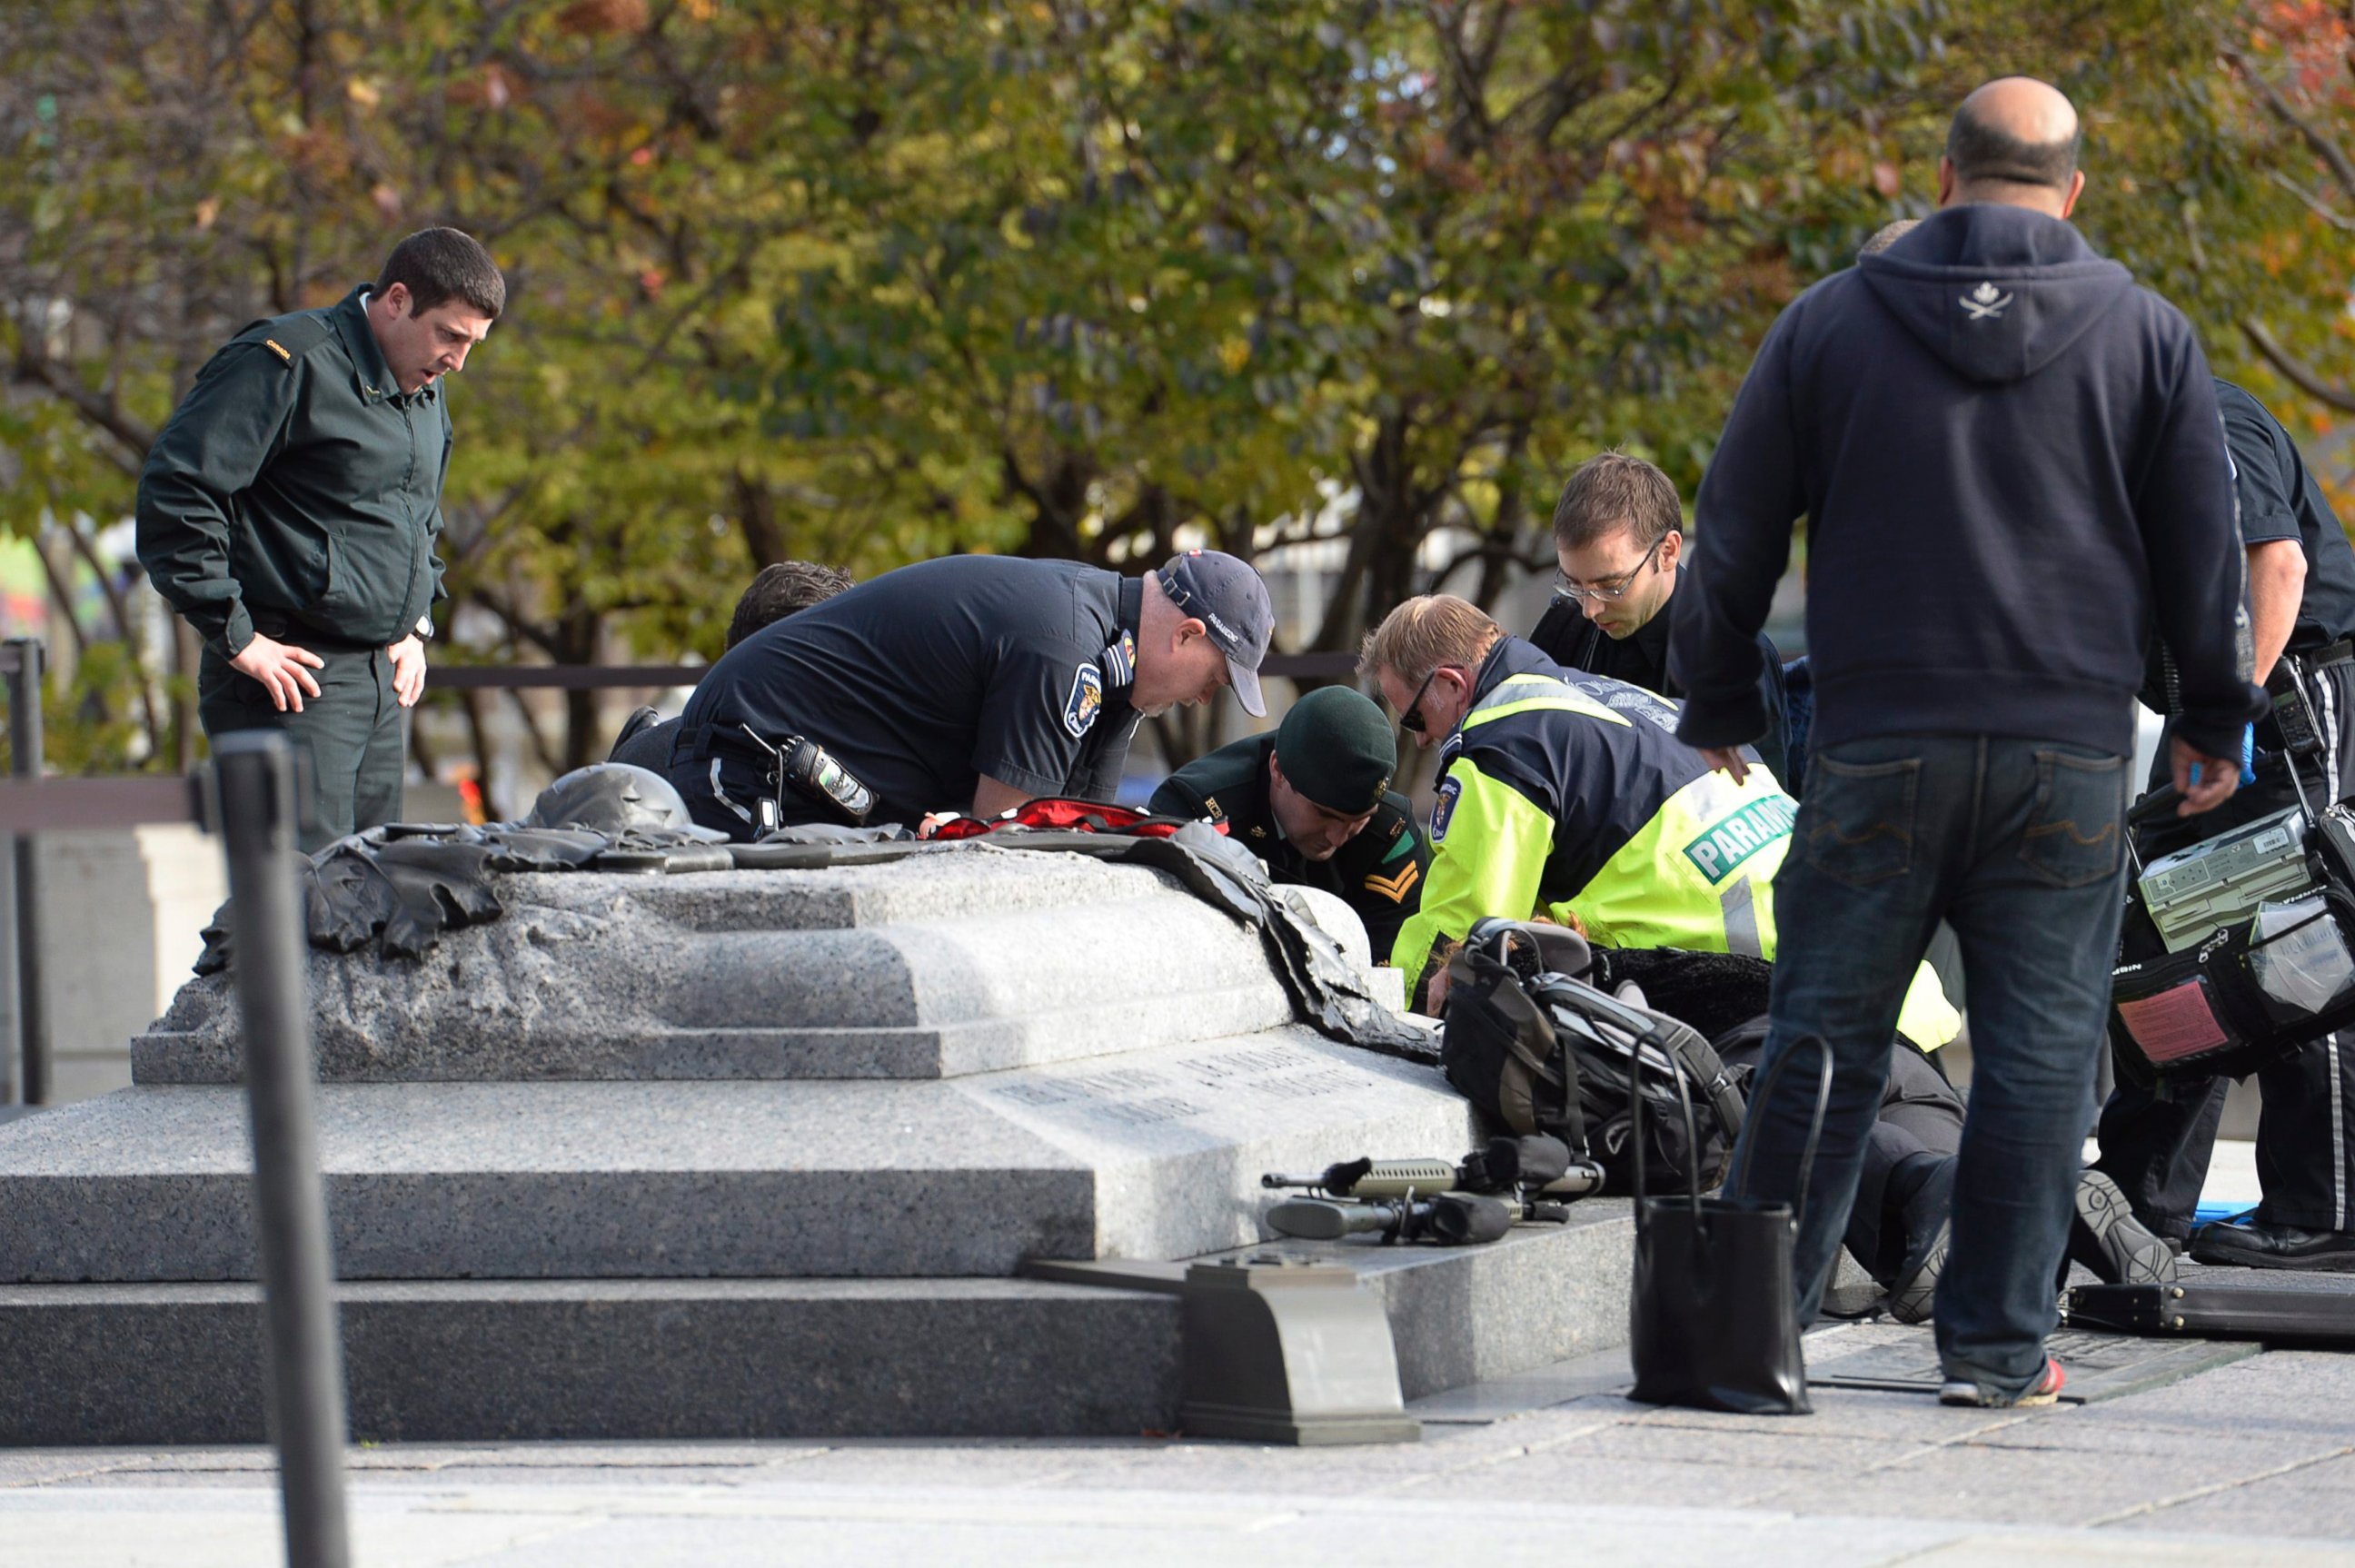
pixel 780 589
pixel 437 265
pixel 1981 154
pixel 1612 490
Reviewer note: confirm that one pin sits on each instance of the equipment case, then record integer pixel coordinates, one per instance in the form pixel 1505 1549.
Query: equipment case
pixel 2315 1309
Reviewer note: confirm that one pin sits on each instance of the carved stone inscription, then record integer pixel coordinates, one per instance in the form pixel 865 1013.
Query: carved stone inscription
pixel 1191 1086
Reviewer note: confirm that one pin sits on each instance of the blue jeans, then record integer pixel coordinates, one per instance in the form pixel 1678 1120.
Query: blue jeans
pixel 2019 845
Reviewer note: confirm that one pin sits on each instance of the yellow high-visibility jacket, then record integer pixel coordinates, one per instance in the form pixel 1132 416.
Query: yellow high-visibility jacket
pixel 1563 794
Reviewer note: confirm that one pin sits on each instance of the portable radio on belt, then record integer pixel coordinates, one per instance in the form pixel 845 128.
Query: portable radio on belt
pixel 2292 712
pixel 814 771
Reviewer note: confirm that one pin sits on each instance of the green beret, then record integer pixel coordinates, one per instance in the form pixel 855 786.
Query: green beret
pixel 1336 748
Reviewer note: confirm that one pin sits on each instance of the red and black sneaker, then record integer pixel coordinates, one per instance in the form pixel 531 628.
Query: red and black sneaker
pixel 2043 1391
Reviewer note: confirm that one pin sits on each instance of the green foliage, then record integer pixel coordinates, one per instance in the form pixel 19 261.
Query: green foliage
pixel 867 282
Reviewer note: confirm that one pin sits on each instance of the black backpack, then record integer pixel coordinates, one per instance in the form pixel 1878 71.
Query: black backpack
pixel 1529 1041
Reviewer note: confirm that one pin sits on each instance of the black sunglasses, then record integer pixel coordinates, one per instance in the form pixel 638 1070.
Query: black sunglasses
pixel 1411 715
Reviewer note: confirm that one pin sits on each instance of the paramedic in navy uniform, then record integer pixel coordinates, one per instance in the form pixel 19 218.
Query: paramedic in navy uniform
pixel 2301 601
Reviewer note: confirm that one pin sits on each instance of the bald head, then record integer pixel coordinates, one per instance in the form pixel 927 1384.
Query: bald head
pixel 2013 141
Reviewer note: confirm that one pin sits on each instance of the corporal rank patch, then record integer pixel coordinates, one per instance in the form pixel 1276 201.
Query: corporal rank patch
pixel 1731 841
pixel 1086 700
pixel 1450 790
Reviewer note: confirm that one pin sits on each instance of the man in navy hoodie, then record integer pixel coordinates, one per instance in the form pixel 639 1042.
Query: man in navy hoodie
pixel 2010 463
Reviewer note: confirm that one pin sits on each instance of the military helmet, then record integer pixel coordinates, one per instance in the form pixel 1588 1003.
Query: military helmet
pixel 609 797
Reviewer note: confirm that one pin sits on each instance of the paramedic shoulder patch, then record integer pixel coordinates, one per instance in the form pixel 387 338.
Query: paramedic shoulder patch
pixel 1731 841
pixel 1444 807
pixel 1086 700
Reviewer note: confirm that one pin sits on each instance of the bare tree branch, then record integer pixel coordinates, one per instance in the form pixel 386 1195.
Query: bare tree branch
pixel 134 437
pixel 2306 378
pixel 2314 204
pixel 2342 168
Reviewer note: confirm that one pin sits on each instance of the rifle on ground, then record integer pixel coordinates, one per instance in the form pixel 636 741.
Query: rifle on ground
pixel 1493 1188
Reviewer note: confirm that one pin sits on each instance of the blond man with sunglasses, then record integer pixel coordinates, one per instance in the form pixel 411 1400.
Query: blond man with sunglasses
pixel 1567 795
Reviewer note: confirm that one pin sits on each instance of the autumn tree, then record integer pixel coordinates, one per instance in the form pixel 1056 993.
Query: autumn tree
pixel 874 280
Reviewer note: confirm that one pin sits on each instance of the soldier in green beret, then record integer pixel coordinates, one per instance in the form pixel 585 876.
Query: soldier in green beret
pixel 291 509
pixel 1314 800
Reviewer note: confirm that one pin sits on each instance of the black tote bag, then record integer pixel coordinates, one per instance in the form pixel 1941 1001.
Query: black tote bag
pixel 1713 1320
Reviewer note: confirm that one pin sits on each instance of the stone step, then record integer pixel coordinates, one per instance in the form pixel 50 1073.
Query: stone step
pixel 494 1361
pixel 1153 1154
pixel 483 1361
pixel 1461 1314
pixel 940 965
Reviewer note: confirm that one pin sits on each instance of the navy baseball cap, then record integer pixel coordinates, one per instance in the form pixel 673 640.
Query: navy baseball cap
pixel 1227 596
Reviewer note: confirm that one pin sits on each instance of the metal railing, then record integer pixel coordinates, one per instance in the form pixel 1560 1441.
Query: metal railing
pixel 248 797
pixel 599 677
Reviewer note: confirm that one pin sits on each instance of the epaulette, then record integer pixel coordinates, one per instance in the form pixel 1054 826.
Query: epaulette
pixel 288 337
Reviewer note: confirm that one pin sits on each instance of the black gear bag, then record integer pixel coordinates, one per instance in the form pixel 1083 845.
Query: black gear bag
pixel 2268 979
pixel 1527 1040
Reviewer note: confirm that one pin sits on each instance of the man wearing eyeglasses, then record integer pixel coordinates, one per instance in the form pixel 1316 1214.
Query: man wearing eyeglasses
pixel 1618 540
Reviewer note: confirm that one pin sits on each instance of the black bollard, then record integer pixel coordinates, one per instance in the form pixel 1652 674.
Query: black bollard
pixel 254 772
pixel 23 659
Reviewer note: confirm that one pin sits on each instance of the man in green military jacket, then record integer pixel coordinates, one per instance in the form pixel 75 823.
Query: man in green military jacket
pixel 291 509
pixel 1313 801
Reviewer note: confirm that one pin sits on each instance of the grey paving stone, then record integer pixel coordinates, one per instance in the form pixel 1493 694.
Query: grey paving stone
pixel 2293 1505
pixel 526 1459
pixel 2096 1549
pixel 1150 1529
pixel 2221 1443
pixel 2301 1397
pixel 45 1467
pixel 1447 1457
pixel 1990 1485
pixel 1860 1412
pixel 450 1476
pixel 932 1464
pixel 1609 1479
pixel 192 1528
pixel 1641 1441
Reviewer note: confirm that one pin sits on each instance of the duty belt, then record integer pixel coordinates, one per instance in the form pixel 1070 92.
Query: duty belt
pixel 791 762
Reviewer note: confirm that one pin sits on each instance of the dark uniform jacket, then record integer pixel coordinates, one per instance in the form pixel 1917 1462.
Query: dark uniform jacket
pixel 2279 500
pixel 297 491
pixel 1566 635
pixel 1379 873
pixel 925 678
